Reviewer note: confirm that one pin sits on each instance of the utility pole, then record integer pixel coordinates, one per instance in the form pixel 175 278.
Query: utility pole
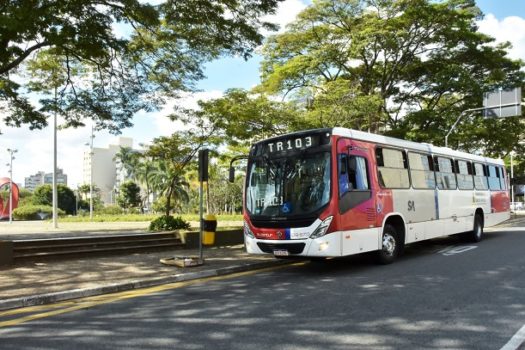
pixel 11 152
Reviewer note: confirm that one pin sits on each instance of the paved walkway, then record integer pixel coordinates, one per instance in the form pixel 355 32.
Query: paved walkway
pixel 41 281
pixel 47 276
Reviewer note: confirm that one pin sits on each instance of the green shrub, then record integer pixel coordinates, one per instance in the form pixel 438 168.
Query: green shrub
pixel 168 223
pixel 35 212
pixel 110 210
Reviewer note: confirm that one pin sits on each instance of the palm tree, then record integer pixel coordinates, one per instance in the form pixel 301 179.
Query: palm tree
pixel 142 173
pixel 169 183
pixel 127 159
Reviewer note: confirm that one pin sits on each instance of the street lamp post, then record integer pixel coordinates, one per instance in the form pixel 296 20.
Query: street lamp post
pixel 512 177
pixel 91 153
pixel 11 152
pixel 55 190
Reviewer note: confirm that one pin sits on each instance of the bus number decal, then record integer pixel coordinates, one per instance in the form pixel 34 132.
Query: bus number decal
pixel 411 206
pixel 274 201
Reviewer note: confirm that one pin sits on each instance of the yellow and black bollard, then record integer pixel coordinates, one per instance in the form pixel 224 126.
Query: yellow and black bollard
pixel 209 229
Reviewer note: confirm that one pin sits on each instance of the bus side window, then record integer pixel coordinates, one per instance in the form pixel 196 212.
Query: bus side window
pixel 392 168
pixel 493 177
pixel 357 173
pixel 353 174
pixel 502 181
pixel 358 190
pixel 464 175
pixel 480 177
pixel 445 173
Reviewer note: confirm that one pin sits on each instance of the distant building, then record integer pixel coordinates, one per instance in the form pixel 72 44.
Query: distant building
pixel 41 178
pixel 102 166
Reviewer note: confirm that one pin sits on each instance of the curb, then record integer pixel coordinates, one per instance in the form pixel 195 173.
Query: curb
pixel 49 298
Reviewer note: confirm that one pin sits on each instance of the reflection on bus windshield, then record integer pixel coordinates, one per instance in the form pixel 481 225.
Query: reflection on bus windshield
pixel 289 186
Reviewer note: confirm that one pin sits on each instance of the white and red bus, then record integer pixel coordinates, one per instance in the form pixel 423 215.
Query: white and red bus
pixel 337 192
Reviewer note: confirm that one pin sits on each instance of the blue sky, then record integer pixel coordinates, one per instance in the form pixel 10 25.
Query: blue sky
pixel 235 72
pixel 505 20
pixel 502 8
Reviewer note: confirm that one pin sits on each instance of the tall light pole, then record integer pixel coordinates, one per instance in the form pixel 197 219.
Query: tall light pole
pixel 91 154
pixel 55 193
pixel 11 156
pixel 512 177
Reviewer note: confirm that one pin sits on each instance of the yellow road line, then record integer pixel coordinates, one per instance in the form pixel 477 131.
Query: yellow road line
pixel 83 303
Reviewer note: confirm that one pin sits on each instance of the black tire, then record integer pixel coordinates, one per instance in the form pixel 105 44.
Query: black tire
pixel 477 231
pixel 391 246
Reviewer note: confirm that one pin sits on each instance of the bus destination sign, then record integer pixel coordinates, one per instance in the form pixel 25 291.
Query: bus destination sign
pixel 295 143
pixel 291 144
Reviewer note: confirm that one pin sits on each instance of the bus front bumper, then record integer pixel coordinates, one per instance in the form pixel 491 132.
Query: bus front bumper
pixel 326 246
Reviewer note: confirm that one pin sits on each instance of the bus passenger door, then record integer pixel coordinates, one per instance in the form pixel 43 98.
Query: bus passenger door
pixel 356 203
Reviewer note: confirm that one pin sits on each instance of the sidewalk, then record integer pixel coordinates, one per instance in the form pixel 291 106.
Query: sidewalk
pixel 44 281
pixel 33 283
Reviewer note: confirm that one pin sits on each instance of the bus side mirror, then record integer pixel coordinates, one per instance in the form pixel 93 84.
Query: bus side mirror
pixel 232 175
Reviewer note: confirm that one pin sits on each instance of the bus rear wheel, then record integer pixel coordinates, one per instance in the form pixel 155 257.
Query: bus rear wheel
pixel 477 231
pixel 391 246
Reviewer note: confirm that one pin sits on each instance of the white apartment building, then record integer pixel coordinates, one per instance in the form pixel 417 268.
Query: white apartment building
pixel 103 168
pixel 41 178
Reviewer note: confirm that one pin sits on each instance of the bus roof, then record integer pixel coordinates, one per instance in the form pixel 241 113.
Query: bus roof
pixel 416 146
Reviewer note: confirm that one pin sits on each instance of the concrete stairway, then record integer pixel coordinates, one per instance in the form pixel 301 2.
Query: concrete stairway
pixel 58 247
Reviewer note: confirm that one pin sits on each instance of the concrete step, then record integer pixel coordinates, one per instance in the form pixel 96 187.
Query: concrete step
pixel 38 248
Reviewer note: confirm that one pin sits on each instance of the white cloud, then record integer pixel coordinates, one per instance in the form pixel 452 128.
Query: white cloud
pixel 35 151
pixel 510 29
pixel 167 127
pixel 285 14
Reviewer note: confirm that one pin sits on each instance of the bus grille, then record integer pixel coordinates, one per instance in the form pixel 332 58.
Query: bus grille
pixel 289 223
pixel 292 248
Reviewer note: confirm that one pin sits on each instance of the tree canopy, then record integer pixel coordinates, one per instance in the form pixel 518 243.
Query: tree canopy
pixel 401 67
pixel 129 195
pixel 110 76
pixel 43 195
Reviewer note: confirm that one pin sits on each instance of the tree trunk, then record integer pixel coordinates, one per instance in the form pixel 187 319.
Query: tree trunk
pixel 168 202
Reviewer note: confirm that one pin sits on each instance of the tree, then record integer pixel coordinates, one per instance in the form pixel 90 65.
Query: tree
pixel 402 67
pixel 129 195
pixel 168 182
pixel 43 195
pixel 223 197
pixel 128 160
pixel 241 117
pixel 172 155
pixel 84 191
pixel 120 75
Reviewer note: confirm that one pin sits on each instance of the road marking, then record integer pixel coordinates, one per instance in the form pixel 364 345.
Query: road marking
pixel 84 303
pixel 453 250
pixel 515 342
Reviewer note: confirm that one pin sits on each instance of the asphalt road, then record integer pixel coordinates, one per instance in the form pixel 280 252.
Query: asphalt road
pixel 441 294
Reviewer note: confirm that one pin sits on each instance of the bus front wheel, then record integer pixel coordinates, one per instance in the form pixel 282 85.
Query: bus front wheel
pixel 391 245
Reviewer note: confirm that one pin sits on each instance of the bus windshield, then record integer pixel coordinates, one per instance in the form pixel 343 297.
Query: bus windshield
pixel 288 186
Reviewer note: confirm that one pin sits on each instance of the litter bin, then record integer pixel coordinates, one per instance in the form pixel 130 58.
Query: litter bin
pixel 209 228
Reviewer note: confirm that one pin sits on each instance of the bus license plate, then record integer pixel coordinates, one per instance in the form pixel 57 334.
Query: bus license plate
pixel 281 252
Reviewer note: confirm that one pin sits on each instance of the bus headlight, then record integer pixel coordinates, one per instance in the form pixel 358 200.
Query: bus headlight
pixel 322 228
pixel 247 230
